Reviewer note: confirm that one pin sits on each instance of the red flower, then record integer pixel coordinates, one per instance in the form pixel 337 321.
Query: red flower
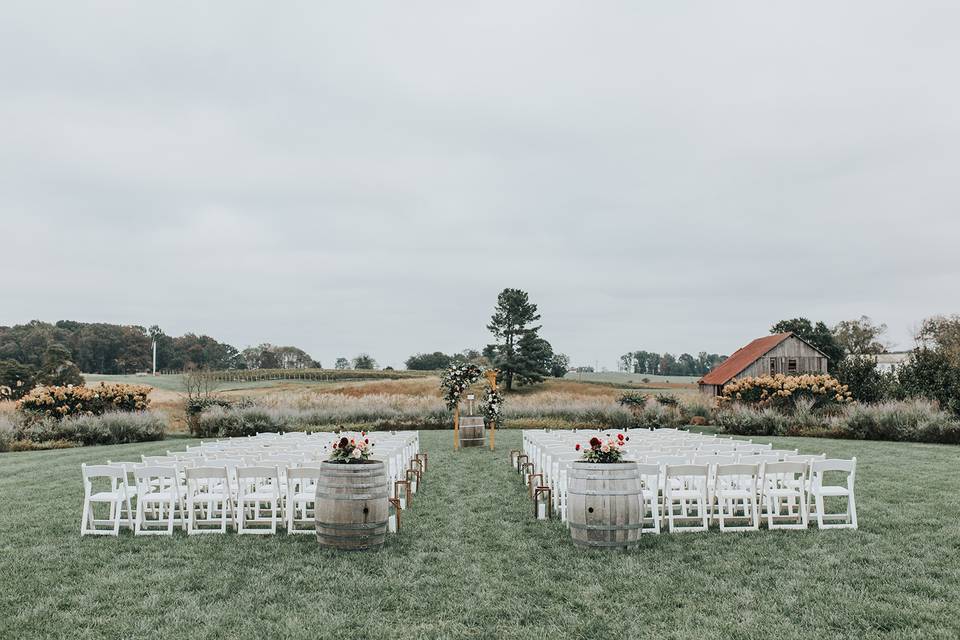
pixel 366 440
pixel 577 447
pixel 620 436
pixel 594 442
pixel 344 442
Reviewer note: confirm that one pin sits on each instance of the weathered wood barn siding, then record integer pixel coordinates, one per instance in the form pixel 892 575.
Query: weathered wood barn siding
pixel 793 350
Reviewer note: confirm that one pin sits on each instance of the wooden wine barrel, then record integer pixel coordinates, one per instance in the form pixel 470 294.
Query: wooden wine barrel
pixel 472 431
pixel 353 505
pixel 603 504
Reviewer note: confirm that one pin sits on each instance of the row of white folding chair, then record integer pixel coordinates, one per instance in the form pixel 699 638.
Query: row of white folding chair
pixel 752 489
pixel 162 500
pixel 557 478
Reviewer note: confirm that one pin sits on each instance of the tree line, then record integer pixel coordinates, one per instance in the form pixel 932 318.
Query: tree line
pixel 56 353
pixel 666 364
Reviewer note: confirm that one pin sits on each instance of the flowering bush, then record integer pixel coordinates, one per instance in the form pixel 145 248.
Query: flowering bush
pixel 57 402
pixel 455 381
pixel 351 450
pixel 781 390
pixel 604 451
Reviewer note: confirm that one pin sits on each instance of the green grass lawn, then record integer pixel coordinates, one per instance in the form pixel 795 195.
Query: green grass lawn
pixel 471 562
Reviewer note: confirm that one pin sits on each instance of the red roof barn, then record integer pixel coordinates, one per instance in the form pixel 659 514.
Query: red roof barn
pixel 778 353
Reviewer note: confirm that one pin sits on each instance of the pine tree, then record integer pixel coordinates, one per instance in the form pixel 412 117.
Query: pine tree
pixel 519 352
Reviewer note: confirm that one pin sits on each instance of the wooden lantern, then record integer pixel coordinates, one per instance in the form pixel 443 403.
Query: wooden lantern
pixel 393 522
pixel 534 480
pixel 401 490
pixel 413 478
pixel 542 503
pixel 422 457
pixel 521 460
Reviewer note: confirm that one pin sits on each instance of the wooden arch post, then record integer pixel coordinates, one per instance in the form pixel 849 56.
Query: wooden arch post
pixel 491 375
pixel 456 427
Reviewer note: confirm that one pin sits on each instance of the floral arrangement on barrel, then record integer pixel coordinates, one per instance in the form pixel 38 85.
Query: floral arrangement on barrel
pixel 604 451
pixel 455 381
pixel 351 450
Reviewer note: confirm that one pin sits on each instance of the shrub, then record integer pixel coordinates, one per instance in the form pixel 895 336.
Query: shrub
pixel 17 378
pixel 751 421
pixel 913 421
pixel 58 402
pixel 696 407
pixel 655 415
pixel 7 430
pixel 864 381
pixel 631 399
pixel 781 390
pixel 109 428
pixel 667 400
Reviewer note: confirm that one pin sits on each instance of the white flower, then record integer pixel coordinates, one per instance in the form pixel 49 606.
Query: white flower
pixel 356 453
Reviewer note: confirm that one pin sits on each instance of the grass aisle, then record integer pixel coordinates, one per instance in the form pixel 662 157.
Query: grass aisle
pixel 472 562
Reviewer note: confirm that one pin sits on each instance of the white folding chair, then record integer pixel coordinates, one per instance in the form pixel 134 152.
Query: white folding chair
pixel 736 490
pixel 649 496
pixel 158 493
pixel 208 491
pixel 784 488
pixel 258 488
pixel 301 499
pixel 686 487
pixel 819 491
pixel 117 496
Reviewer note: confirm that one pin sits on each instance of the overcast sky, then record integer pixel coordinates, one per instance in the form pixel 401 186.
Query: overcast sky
pixel 360 176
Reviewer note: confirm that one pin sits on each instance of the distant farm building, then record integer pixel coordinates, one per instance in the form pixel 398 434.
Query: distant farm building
pixel 778 353
pixel 887 362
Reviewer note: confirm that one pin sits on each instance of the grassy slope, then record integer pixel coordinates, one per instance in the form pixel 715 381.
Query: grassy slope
pixel 471 562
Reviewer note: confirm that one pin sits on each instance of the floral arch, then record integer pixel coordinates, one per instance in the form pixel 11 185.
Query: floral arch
pixel 454 384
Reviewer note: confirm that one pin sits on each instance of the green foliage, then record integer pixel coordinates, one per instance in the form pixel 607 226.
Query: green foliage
pixel 57 369
pixel 916 421
pixel 864 381
pixel 932 374
pixel 533 359
pixel 667 400
pixel 911 421
pixel 666 364
pixel 744 420
pixel 364 361
pixel 818 335
pixel 112 349
pixel 428 361
pixel 341 364
pixel 269 356
pixel 860 337
pixel 7 429
pixel 559 365
pixel 519 352
pixel 631 400
pixel 19 378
